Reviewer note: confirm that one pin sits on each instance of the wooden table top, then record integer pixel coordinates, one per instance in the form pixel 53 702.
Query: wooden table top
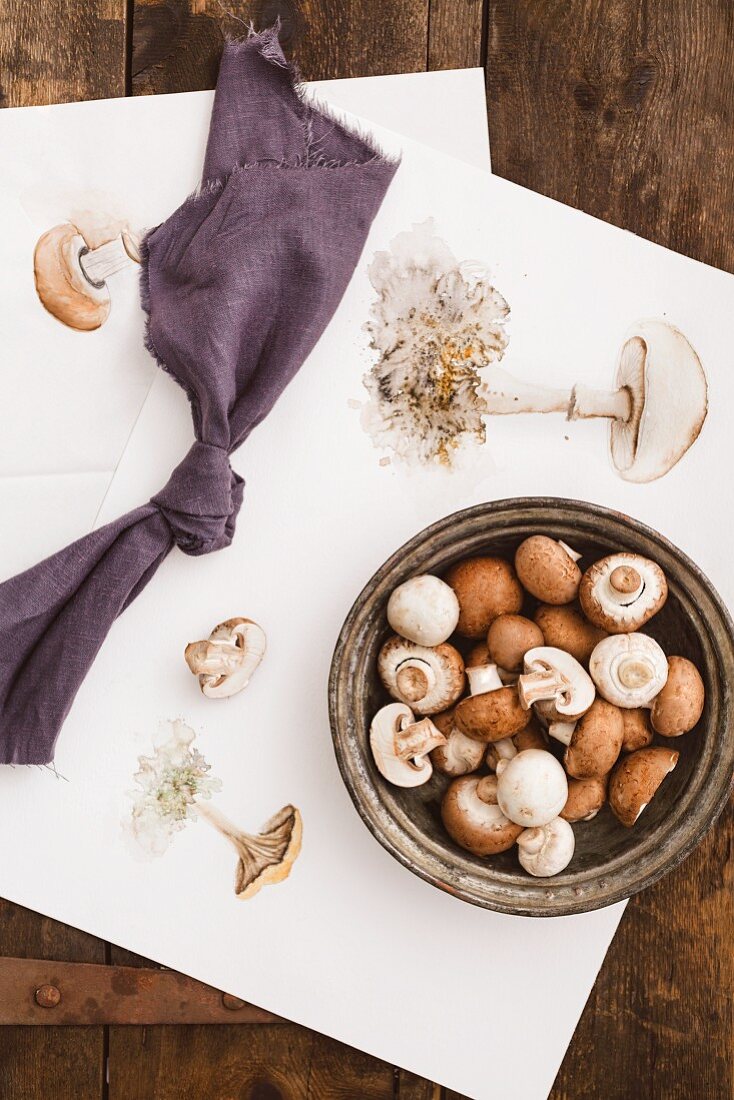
pixel 625 109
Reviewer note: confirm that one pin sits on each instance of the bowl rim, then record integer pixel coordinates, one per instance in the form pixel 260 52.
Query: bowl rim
pixel 589 901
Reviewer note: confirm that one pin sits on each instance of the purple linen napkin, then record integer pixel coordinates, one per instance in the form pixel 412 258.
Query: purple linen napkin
pixel 238 284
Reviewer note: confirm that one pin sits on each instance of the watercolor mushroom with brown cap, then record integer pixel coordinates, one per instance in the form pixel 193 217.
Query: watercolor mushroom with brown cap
pixel 655 412
pixel 72 267
pixel 226 661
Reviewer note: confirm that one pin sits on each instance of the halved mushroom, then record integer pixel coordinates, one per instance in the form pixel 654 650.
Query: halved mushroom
pixel 485 588
pixel 264 858
pixel 629 670
pixel 226 661
pixel 585 798
pixel 556 677
pixel 596 742
pixel 401 745
pixel 428 678
pixel 531 788
pixel 509 638
pixel 635 780
pixel 547 569
pixel 461 754
pixel 621 592
pixel 637 731
pixel 564 627
pixel 547 849
pixel 677 708
pixel 71 277
pixel 493 710
pixel 424 610
pixel 656 411
pixel 474 820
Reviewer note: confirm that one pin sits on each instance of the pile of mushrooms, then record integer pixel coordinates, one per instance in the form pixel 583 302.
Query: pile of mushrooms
pixel 539 718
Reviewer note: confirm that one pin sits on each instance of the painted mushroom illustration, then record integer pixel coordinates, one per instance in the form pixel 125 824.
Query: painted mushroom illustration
pixel 72 271
pixel 173 786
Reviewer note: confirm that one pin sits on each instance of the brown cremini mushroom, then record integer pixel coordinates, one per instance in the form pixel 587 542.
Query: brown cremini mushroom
pixel 621 592
pixel 428 679
pixel 532 737
pixel 547 569
pixel 679 705
pixel 637 733
pixel 478 655
pixel 473 819
pixel 461 754
pixel 566 628
pixel 492 711
pixel 635 780
pixel 509 638
pixel 596 742
pixel 485 588
pixel 585 798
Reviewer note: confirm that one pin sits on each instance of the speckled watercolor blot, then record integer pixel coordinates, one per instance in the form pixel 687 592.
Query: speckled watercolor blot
pixel 434 324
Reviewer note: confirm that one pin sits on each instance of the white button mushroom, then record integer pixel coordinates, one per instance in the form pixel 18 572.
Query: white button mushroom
pixel 546 850
pixel 622 592
pixel 400 745
pixel 531 788
pixel 629 669
pixel 556 677
pixel 429 679
pixel 226 661
pixel 424 610
pixel 461 754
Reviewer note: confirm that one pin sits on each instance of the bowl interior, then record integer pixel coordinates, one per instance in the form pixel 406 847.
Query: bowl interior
pixel 610 861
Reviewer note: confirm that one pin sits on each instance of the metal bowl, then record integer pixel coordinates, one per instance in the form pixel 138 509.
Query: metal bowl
pixel 611 862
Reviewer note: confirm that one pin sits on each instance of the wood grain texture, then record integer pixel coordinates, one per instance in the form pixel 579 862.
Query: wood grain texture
pixel 455 33
pixel 61 50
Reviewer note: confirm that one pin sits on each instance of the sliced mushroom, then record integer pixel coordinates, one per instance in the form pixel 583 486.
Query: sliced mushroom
pixel 547 849
pixel 596 742
pixel 585 798
pixel 556 677
pixel 622 592
pixel 400 745
pixel 226 661
pixel 566 628
pixel 637 732
pixel 493 710
pixel 547 569
pixel 473 819
pixel 629 670
pixel 531 788
pixel 264 858
pixel 461 754
pixel 635 780
pixel 678 707
pixel 424 610
pixel 485 588
pixel 428 679
pixel 509 638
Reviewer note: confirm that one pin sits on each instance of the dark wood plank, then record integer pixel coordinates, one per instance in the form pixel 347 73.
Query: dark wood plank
pixel 58 51
pixel 177 43
pixel 455 33
pixel 42 1061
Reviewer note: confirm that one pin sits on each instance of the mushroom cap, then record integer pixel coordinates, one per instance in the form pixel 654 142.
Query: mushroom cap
pixel 629 670
pixel 596 742
pixel 568 685
pixel 61 284
pixel 428 678
pixel 667 386
pixel 585 798
pixel 424 610
pixel 226 662
pixel 461 754
pixel 637 731
pixel 492 715
pixel 478 655
pixel 677 708
pixel 532 737
pixel 510 637
pixel 400 745
pixel 564 627
pixel 621 592
pixel 474 823
pixel 485 588
pixel 531 788
pixel 635 780
pixel 547 570
pixel 548 849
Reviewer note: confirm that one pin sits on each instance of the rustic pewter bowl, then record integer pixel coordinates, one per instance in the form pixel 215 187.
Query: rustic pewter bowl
pixel 611 862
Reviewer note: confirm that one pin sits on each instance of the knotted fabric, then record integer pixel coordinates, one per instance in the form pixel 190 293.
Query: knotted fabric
pixel 238 284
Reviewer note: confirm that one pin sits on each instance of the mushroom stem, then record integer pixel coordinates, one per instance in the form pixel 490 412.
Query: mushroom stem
pixel 98 264
pixel 536 687
pixel 263 858
pixel 417 739
pixel 507 396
